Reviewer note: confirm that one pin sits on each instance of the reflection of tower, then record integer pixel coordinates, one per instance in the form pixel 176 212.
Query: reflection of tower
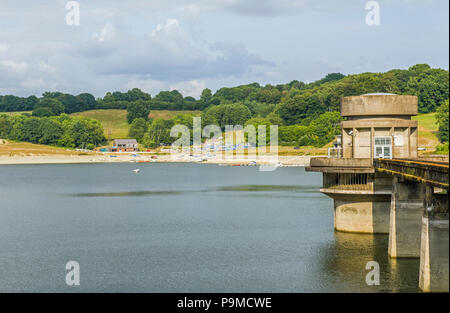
pixel 346 259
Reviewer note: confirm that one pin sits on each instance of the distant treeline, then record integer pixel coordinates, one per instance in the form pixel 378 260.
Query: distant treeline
pixel 294 101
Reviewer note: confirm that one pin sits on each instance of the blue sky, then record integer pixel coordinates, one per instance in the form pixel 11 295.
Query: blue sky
pixel 192 44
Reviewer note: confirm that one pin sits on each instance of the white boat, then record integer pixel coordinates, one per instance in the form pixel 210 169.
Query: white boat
pixel 136 170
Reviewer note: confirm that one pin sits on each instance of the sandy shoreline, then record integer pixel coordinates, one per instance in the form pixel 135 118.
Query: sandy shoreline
pixel 121 158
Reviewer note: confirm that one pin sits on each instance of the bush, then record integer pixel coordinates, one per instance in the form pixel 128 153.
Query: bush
pixel 442 121
pixel 442 149
pixel 42 112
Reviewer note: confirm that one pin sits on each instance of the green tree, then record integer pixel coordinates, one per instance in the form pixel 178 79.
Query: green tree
pixel 227 114
pixel 442 121
pixel 4 126
pixel 158 133
pixel 54 105
pixel 31 130
pixel 257 122
pixel 205 98
pixel 50 131
pixel 138 129
pixel 291 135
pixel 137 109
pixel 42 112
pixel 326 127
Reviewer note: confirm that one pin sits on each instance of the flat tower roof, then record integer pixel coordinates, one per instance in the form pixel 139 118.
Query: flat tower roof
pixel 379 104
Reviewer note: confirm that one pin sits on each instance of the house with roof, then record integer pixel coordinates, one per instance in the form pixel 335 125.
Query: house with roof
pixel 124 145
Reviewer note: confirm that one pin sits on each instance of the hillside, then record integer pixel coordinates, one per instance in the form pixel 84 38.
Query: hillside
pixel 427 130
pixel 115 124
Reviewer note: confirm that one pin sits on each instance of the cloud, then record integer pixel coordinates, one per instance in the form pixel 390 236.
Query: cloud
pixel 45 67
pixel 33 83
pixel 106 33
pixel 13 66
pixel 167 52
pixel 183 44
pixel 192 88
pixel 264 8
pixel 3 47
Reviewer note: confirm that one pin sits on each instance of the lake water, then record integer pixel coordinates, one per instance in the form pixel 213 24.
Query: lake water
pixel 181 228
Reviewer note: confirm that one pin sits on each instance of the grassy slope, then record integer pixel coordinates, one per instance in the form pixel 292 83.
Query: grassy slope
pixel 16 113
pixel 115 124
pixel 427 130
pixel 11 148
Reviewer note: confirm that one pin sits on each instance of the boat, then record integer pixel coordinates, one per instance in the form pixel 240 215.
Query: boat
pixel 136 170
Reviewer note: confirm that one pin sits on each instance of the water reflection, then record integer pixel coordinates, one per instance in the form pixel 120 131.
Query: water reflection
pixel 268 188
pixel 233 188
pixel 126 193
pixel 346 260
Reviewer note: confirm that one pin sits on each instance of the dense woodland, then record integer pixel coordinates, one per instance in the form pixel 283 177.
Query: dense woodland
pixel 307 113
pixel 62 130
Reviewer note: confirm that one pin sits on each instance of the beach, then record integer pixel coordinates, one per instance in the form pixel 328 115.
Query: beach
pixel 147 158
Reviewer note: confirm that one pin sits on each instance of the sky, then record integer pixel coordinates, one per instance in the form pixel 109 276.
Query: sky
pixel 190 45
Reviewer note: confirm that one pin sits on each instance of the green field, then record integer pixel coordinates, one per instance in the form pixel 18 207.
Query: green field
pixel 115 124
pixel 16 113
pixel 427 130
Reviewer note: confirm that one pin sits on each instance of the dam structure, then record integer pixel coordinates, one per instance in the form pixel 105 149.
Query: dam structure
pixel 380 186
pixel 374 126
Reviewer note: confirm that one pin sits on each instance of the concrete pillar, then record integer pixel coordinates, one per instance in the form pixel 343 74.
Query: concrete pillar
pixel 358 213
pixel 407 204
pixel 434 252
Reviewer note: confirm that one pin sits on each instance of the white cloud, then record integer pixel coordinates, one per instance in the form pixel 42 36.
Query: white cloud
pixel 3 47
pixel 147 85
pixel 192 88
pixel 159 44
pixel 45 67
pixel 167 53
pixel 12 66
pixel 171 25
pixel 106 33
pixel 33 83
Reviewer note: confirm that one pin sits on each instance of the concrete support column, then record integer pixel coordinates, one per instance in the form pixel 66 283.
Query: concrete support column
pixel 434 252
pixel 407 204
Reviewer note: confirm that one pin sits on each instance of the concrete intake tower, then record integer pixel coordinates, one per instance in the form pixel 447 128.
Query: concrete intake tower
pixel 375 126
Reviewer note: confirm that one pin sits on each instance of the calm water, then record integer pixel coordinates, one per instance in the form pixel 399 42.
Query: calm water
pixel 181 228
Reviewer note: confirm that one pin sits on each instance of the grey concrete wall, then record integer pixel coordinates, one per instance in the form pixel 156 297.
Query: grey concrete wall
pixel 407 206
pixel 434 254
pixel 359 214
pixel 384 105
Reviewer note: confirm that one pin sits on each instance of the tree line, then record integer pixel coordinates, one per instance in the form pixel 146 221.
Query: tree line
pixel 62 130
pixel 294 102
